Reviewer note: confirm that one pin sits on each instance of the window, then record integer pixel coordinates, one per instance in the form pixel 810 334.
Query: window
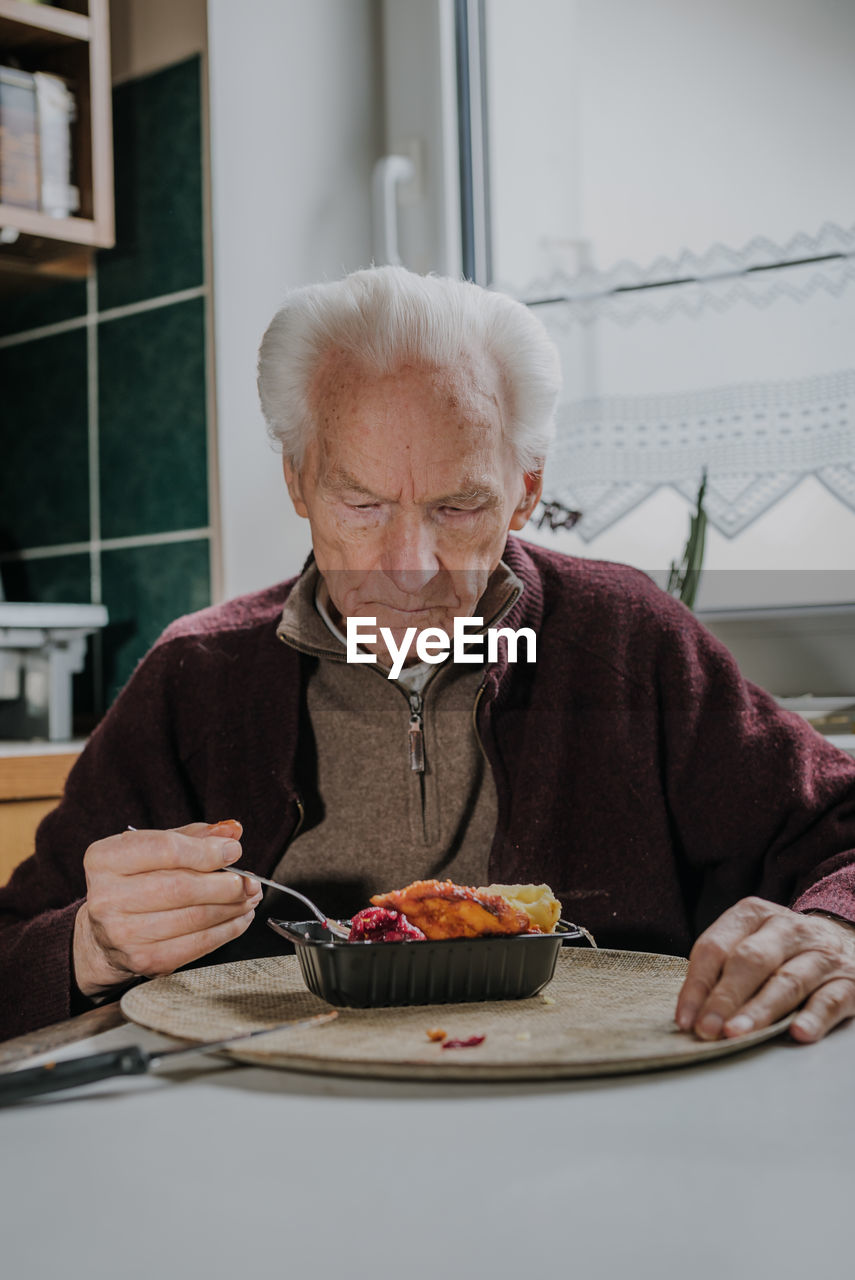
pixel 669 186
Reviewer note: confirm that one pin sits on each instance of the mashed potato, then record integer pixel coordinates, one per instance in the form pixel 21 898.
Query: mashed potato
pixel 537 900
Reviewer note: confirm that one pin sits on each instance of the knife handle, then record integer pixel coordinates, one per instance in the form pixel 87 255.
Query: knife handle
pixel 27 1082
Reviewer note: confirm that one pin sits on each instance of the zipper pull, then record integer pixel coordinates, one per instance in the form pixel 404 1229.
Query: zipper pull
pixel 416 737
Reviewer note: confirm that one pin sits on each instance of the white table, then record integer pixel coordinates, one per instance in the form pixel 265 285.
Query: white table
pixel 743 1167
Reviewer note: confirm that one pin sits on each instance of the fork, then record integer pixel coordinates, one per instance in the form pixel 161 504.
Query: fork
pixel 333 926
pixel 336 929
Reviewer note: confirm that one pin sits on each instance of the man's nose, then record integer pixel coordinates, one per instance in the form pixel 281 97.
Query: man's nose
pixel 409 556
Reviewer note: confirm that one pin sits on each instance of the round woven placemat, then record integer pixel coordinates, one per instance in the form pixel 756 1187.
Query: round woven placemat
pixel 605 1012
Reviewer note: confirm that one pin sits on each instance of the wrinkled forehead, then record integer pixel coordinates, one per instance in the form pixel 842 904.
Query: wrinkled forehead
pixel 473 388
pixel 426 433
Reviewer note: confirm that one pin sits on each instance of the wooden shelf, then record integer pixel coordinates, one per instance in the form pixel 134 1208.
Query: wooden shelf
pixel 73 42
pixel 73 230
pixel 38 262
pixel 26 26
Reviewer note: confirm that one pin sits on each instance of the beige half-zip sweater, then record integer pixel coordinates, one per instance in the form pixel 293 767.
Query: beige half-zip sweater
pixel 371 821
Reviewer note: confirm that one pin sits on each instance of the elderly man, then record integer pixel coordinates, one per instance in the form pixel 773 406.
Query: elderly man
pixel 667 801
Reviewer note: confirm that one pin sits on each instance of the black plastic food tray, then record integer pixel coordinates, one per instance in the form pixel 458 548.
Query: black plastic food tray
pixel 371 975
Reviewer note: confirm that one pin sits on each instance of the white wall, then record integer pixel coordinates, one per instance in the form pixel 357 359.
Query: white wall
pixel 296 125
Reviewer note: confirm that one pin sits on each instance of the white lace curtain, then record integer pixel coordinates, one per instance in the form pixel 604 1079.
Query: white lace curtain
pixel 739 362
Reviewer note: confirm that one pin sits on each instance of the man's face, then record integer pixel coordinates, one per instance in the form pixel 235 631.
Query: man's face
pixel 410 490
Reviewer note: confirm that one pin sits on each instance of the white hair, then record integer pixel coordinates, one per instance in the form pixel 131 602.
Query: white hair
pixel 385 317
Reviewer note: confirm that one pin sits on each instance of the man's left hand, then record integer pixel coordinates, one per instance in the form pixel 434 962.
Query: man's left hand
pixel 759 961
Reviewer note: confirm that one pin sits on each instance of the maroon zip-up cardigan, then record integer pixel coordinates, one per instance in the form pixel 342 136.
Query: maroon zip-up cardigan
pixel 636 771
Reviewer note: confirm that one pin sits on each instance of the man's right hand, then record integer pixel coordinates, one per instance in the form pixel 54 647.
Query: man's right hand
pixel 157 900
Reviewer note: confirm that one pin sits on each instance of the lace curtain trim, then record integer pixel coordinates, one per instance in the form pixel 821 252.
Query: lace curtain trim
pixel 757 440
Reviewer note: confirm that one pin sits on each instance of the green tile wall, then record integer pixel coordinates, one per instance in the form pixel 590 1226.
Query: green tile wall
pixel 45 304
pixel 157 126
pixel 151 374
pixel 145 588
pixel 148 428
pixel 64 579
pixel 44 477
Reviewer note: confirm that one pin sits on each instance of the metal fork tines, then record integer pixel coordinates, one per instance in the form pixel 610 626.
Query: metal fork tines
pixel 336 929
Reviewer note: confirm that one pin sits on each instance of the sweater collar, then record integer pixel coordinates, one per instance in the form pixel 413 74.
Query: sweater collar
pixel 303 627
pixel 526 611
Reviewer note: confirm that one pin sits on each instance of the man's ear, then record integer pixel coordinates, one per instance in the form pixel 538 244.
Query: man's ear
pixel 292 479
pixel 533 481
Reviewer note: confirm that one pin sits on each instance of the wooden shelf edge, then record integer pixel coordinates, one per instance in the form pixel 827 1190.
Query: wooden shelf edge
pixel 100 87
pixel 33 222
pixel 68 262
pixel 61 22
